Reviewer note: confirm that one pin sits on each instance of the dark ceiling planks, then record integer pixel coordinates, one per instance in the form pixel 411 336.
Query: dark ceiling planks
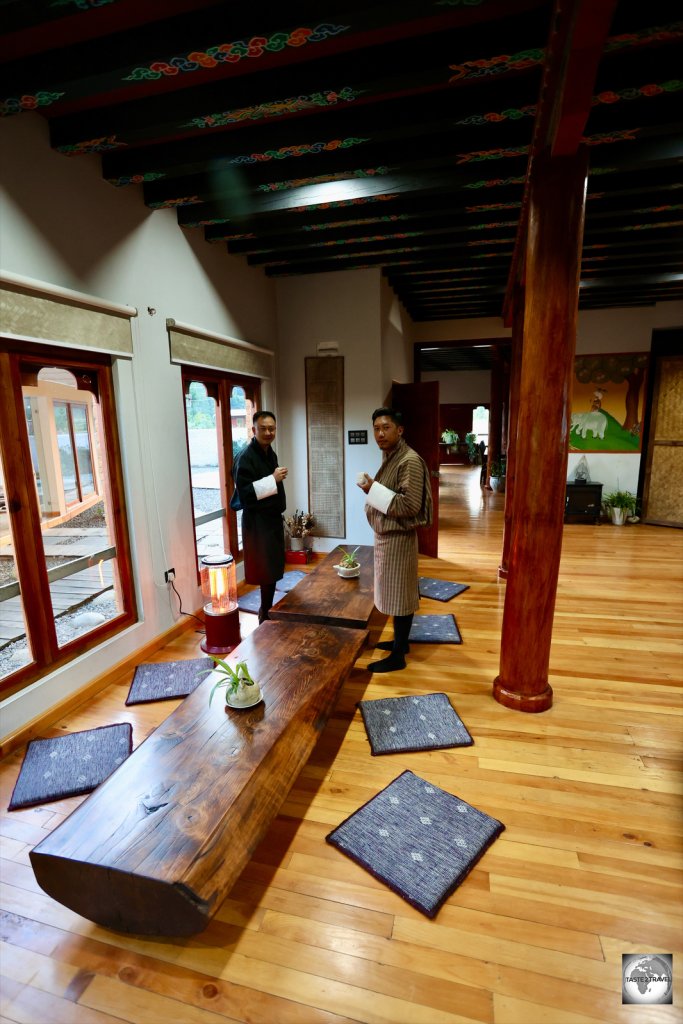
pixel 394 135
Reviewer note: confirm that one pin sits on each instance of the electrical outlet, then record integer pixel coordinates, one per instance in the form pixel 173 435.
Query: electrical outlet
pixel 169 575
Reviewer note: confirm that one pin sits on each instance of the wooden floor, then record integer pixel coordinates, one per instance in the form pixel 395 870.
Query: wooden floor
pixel 589 867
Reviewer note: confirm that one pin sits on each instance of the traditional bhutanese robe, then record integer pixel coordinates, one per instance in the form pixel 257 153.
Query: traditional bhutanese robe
pixel 398 502
pixel 263 502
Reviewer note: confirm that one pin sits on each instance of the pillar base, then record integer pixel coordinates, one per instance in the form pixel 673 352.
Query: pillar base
pixel 529 702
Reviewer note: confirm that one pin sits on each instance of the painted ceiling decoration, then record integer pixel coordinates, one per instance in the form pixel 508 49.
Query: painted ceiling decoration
pixel 247 123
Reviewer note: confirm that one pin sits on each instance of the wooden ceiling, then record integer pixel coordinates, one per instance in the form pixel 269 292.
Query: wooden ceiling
pixel 326 136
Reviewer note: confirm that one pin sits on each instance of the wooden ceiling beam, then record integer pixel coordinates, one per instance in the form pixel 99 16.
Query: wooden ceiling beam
pixel 563 101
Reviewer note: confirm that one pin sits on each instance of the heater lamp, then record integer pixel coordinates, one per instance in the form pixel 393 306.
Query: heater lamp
pixel 221 614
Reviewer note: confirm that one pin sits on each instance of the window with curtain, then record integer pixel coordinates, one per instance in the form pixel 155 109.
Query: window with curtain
pixel 65 565
pixel 218 415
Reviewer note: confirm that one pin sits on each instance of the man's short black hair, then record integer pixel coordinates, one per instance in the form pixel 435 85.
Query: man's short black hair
pixel 393 414
pixel 261 414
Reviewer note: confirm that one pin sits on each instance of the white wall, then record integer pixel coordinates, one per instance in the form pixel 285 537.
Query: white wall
pixel 344 307
pixel 63 224
pixel 456 386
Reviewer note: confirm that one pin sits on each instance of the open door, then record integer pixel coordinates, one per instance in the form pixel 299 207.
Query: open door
pixel 419 406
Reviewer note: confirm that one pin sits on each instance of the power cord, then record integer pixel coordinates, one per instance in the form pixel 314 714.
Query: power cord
pixel 180 608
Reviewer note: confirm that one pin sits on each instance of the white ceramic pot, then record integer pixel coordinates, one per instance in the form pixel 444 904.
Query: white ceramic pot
pixel 348 573
pixel 296 543
pixel 618 515
pixel 246 695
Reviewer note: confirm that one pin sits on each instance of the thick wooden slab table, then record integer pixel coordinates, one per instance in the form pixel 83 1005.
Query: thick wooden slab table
pixel 156 848
pixel 325 597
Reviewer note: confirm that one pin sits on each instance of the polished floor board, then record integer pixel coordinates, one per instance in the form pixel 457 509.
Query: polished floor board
pixel 590 866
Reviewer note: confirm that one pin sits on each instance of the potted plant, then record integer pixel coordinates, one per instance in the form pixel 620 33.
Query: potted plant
pixel 472 447
pixel 497 475
pixel 348 565
pixel 241 691
pixel 621 504
pixel 451 438
pixel 299 526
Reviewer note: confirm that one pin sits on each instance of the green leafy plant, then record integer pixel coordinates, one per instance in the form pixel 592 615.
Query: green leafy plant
pixel 450 437
pixel 497 468
pixel 621 499
pixel 348 558
pixel 232 676
pixel 472 447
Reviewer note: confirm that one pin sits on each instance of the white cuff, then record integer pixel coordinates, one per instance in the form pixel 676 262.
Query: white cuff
pixel 264 487
pixel 380 497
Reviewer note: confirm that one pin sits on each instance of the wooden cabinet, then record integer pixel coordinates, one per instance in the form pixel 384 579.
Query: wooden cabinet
pixel 583 502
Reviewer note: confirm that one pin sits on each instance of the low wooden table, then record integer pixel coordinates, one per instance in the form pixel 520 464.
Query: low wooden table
pixel 157 847
pixel 325 597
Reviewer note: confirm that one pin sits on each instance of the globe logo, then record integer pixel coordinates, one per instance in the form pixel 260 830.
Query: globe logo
pixel 647 978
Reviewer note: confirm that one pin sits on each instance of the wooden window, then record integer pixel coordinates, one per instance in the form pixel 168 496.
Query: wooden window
pixel 65 564
pixel 218 415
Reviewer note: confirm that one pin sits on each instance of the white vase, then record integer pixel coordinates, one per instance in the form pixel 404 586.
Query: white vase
pixel 296 543
pixel 618 515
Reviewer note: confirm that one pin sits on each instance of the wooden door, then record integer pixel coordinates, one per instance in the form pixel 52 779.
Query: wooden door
pixel 419 405
pixel 663 491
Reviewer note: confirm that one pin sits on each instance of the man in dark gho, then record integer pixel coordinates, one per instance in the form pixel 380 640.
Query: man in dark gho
pixel 399 500
pixel 260 493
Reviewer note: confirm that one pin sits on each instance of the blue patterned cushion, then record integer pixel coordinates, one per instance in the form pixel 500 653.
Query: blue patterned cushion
pixel 401 724
pixel 418 839
pixel 440 590
pixel 435 629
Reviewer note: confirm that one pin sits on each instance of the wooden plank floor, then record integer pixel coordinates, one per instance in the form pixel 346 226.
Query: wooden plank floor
pixel 589 868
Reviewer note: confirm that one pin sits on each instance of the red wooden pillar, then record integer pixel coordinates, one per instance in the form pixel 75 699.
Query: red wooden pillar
pixel 513 417
pixel 554 237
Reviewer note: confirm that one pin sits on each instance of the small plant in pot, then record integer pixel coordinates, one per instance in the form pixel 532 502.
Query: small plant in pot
pixel 240 689
pixel 451 438
pixel 498 475
pixel 621 506
pixel 348 564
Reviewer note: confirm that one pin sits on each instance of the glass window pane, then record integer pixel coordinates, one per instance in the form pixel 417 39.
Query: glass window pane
pixel 203 427
pixel 79 418
pixel 66 452
pixel 78 536
pixel 15 651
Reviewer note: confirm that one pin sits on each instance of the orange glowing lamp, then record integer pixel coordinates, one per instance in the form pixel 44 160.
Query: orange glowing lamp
pixel 218 578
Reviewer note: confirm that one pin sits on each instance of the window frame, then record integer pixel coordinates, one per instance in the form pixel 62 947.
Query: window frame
pixel 24 509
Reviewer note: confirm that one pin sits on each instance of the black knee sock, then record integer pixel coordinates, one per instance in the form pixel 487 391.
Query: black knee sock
pixel 402 624
pixel 267 595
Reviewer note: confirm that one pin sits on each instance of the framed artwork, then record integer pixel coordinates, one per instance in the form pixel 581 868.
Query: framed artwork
pixel 608 402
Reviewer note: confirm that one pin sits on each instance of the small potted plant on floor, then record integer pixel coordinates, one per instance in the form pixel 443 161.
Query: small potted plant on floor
pixel 498 475
pixel 348 565
pixel 241 691
pixel 621 505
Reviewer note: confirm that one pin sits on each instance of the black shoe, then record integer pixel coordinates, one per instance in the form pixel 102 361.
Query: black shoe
pixel 394 663
pixel 388 645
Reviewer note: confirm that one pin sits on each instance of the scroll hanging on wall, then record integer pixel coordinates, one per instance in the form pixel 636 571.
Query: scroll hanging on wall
pixel 325 437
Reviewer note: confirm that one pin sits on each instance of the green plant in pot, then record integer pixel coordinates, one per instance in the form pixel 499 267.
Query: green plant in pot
pixel 451 438
pixel 472 447
pixel 348 564
pixel 497 474
pixel 240 689
pixel 621 505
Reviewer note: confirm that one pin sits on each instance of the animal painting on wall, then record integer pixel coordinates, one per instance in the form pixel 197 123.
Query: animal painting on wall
pixel 608 402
